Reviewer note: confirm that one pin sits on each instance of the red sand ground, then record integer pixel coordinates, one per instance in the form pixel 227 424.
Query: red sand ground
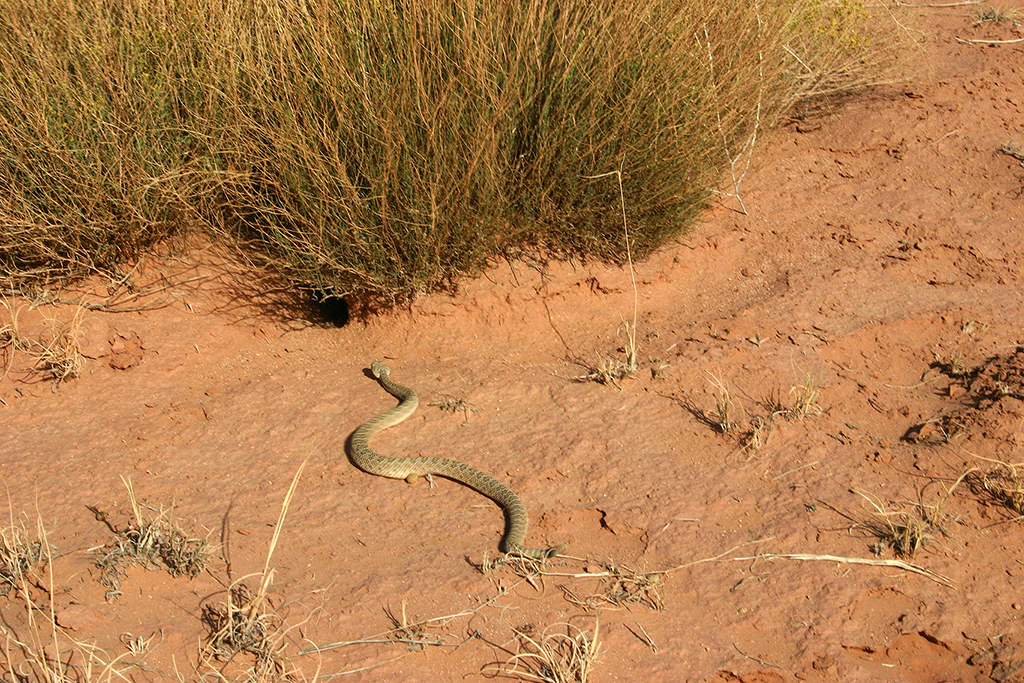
pixel 881 253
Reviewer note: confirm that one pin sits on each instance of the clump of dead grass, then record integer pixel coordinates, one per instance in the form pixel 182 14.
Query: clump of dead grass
pixel 906 529
pixel 56 354
pixel 413 634
pixel 160 541
pixel 998 15
pixel 11 340
pixel 40 650
pixel 612 370
pixel 20 554
pixel 1002 484
pixel 528 569
pixel 550 656
pixel 457 405
pixel 725 418
pixel 953 365
pixel 730 419
pixel 806 396
pixel 247 623
pixel 620 586
pixel 756 435
pixel 59 357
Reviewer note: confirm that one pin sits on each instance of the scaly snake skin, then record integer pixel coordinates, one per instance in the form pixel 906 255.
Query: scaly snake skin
pixel 403 468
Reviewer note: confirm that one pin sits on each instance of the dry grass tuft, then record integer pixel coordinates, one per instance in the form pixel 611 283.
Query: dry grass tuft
pixel 756 435
pixel 725 419
pixel 456 405
pixel 60 356
pixel 619 586
pixel 56 354
pixel 412 634
pixel 551 657
pixel 622 587
pixel 998 15
pixel 903 531
pixel 1002 485
pixel 11 340
pixel 750 435
pixel 528 569
pixel 160 541
pixel 806 398
pixel 246 624
pixel 42 651
pixel 612 370
pixel 907 529
pixel 955 365
pixel 19 556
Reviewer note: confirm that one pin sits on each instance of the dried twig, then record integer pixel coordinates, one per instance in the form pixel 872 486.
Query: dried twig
pixel 898 564
pixel 984 42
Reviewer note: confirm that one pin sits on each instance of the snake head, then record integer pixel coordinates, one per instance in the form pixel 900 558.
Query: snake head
pixel 379 369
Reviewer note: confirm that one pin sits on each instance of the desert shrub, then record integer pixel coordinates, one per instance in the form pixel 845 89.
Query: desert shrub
pixel 383 148
pixel 94 132
pixel 405 143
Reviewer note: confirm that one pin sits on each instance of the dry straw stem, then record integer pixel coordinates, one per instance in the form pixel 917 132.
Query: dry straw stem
pixel 551 656
pixel 900 3
pixel 748 145
pixel 247 622
pixel 907 530
pixel 725 419
pixel 160 541
pixel 611 370
pixel 809 557
pixel 806 398
pixel 1002 484
pixel 19 556
pixel 970 41
pixel 57 354
pixel 44 652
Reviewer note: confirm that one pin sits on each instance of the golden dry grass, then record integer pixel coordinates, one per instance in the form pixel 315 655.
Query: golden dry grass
pixel 55 355
pixel 551 656
pixel 159 541
pixel 383 149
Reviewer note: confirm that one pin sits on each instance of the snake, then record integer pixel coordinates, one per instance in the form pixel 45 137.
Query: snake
pixel 363 457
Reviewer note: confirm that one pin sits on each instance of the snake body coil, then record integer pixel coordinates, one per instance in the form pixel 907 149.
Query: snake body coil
pixel 402 468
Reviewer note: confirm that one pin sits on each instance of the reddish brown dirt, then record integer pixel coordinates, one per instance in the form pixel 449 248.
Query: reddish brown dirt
pixel 880 261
